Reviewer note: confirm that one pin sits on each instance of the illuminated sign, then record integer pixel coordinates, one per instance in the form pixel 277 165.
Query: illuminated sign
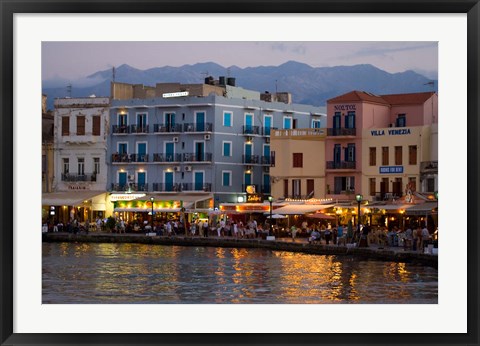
pixel 176 94
pixel 126 197
pixel 250 189
pixel 254 198
pixel 391 169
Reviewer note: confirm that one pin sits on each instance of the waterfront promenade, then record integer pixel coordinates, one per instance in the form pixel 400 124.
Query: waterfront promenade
pixel 373 251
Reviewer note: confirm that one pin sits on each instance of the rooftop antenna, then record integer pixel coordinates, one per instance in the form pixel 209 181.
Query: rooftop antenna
pixel 69 90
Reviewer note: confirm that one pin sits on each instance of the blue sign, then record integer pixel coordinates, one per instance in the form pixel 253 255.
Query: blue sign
pixel 390 169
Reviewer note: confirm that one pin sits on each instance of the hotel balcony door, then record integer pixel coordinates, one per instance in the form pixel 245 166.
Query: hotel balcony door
pixel 169 151
pixel 200 121
pixel 199 151
pixel 383 187
pixel 122 178
pixel 198 176
pixel 168 178
pixel 141 180
pixel 397 187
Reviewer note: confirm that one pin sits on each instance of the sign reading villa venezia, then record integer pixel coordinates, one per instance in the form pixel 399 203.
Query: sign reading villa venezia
pixel 392 132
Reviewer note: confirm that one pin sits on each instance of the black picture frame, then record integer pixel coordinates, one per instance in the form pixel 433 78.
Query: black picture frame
pixel 10 7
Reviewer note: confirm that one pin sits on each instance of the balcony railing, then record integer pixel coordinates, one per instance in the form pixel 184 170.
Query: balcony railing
pixel 197 157
pixel 250 159
pixel 167 187
pixel 130 187
pixel 197 127
pixel 341 132
pixel 71 177
pixel 251 130
pixel 167 157
pixel 129 158
pixel 120 129
pixel 167 128
pixel 341 164
pixel 138 128
pixel 120 187
pixel 206 187
pixel 266 160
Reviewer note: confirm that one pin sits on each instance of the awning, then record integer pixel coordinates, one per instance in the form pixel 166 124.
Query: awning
pixel 147 210
pixel 299 209
pixel 390 206
pixel 70 198
pixel 189 200
pixel 426 208
pixel 321 216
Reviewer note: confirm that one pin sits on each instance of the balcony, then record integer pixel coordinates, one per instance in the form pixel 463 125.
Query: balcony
pixel 120 129
pixel 197 157
pixel 167 157
pixel 167 187
pixel 266 160
pixel 136 158
pixel 337 132
pixel 167 128
pixel 201 127
pixel 250 159
pixel 139 129
pixel 130 187
pixel 203 187
pixel 341 164
pixel 250 130
pixel 71 177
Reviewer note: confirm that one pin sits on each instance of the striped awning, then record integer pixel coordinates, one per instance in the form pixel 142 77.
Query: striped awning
pixel 300 209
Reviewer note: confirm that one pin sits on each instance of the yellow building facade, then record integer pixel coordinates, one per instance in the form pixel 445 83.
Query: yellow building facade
pixel 391 161
pixel 298 163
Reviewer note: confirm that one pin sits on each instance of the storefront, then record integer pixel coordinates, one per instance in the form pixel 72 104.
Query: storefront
pixel 64 206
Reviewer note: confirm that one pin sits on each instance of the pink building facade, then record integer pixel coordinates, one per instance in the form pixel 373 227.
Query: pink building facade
pixel 349 115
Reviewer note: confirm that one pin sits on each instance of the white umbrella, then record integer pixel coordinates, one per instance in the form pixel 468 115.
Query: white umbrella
pixel 277 216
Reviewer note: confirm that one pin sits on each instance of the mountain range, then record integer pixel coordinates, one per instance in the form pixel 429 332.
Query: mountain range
pixel 308 85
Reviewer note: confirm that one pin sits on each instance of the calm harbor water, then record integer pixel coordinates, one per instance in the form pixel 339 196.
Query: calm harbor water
pixel 88 273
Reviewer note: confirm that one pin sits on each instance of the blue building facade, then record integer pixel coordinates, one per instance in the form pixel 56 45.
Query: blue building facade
pixel 188 144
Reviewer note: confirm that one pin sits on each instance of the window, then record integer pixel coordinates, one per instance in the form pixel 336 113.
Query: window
pixel 65 126
pixel 385 159
pixel 337 120
pixel 96 125
pixel 122 120
pixel 372 186
pixel 227 149
pixel 412 155
pixel 350 153
pixel 401 120
pixel 373 156
pixel 96 165
pixel 81 125
pixel 285 188
pixel 344 184
pixel 227 119
pixel 66 166
pixel 287 123
pixel 350 120
pixel 398 156
pixel 81 166
pixel 298 160
pixel 226 178
pixel 430 184
pixel 296 188
pixel 310 188
pixel 141 121
pixel 316 124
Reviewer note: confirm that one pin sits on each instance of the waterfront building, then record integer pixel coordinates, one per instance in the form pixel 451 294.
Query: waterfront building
pixel 80 167
pixel 380 145
pixel 298 168
pixel 211 140
pixel 47 147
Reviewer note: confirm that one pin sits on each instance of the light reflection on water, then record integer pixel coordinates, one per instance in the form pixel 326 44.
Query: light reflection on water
pixel 136 273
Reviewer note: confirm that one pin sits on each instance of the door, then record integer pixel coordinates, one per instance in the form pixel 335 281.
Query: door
pixel 122 148
pixel 266 154
pixel 248 153
pixel 200 121
pixel 141 122
pixel 268 125
pixel 198 176
pixel 168 178
pixel 199 151
pixel 247 179
pixel 169 151
pixel 141 180
pixel 141 152
pixel 248 123
pixel 266 183
pixel 337 154
pixel 122 180
pixel 337 121
pixel 170 122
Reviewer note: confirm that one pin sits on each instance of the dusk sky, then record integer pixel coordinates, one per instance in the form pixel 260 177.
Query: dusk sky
pixel 75 60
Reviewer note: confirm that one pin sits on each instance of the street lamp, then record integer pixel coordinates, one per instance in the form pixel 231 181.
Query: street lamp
pixel 270 199
pixel 359 199
pixel 151 200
